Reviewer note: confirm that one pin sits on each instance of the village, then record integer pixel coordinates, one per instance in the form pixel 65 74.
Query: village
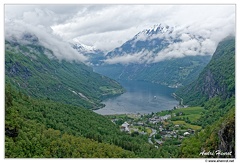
pixel 158 127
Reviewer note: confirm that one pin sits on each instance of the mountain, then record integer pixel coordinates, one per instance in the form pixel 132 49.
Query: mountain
pixel 85 49
pixel 215 91
pixel 34 70
pixel 216 79
pixel 145 57
pixel 149 40
pixel 173 73
pixel 94 55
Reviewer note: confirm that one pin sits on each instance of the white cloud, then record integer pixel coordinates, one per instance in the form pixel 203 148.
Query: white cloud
pixel 39 18
pixel 140 57
pixel 108 26
pixel 185 37
pixel 112 24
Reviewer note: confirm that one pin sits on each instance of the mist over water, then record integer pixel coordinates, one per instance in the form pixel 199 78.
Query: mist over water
pixel 140 97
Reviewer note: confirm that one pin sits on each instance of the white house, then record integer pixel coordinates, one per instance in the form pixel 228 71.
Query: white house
pixel 186 133
pixel 125 127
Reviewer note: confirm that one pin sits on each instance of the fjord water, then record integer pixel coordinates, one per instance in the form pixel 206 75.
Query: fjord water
pixel 140 97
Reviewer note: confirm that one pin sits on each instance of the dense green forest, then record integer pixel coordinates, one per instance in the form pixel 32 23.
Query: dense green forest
pixel 29 133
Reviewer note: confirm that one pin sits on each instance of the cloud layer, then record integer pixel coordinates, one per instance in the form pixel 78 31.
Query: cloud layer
pixel 108 26
pixel 38 22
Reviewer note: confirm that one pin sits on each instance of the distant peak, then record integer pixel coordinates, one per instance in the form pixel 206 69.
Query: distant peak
pixel 155 29
pixel 82 47
pixel 30 37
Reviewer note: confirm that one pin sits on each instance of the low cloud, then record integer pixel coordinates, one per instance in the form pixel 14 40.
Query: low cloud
pixel 15 28
pixel 139 57
pixel 114 24
pixel 106 27
pixel 196 37
pixel 187 45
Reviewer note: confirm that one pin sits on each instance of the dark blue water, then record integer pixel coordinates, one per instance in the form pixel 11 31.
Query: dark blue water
pixel 140 97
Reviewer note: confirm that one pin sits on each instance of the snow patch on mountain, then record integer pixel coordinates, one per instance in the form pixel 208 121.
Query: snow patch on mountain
pixel 159 43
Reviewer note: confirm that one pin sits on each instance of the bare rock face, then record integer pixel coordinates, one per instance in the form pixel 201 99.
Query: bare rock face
pixel 227 138
pixel 212 87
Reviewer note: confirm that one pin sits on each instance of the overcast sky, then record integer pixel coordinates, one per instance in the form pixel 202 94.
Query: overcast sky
pixel 108 26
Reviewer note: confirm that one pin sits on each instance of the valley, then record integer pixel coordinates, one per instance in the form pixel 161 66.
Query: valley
pixel 156 124
pixel 150 120
pixel 108 81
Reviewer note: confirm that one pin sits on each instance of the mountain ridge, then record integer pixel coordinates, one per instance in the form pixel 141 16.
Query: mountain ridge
pixel 145 57
pixel 36 71
pixel 216 79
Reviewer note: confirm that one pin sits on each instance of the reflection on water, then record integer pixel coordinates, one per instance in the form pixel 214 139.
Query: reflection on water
pixel 141 97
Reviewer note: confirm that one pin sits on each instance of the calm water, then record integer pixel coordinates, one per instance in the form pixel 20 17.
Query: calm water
pixel 140 97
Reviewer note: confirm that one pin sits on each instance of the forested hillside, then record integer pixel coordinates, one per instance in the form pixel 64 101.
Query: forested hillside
pixel 174 72
pixel 28 68
pixel 44 128
pixel 215 90
pixel 216 79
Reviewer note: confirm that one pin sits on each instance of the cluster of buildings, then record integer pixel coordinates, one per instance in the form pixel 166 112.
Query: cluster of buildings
pixel 165 134
pixel 157 119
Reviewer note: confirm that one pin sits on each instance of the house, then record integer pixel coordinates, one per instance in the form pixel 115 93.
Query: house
pixel 125 127
pixel 160 128
pixel 186 133
pixel 140 123
pixel 162 118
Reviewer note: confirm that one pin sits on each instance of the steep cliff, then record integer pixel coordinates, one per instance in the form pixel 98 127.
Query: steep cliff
pixel 216 79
